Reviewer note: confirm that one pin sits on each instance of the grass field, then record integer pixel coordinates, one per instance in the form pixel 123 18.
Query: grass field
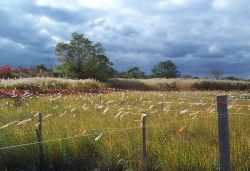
pixel 104 131
pixel 175 84
pixel 42 83
pixel 180 84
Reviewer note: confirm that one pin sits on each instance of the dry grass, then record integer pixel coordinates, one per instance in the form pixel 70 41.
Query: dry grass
pixel 179 84
pixel 182 132
pixel 40 83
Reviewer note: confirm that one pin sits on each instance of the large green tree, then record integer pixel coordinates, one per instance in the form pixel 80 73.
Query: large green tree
pixel 82 59
pixel 165 69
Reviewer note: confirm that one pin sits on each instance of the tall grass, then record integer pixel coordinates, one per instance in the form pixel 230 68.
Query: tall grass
pixel 181 133
pixel 41 83
pixel 179 84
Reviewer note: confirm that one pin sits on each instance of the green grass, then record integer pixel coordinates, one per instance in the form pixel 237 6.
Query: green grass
pixel 177 139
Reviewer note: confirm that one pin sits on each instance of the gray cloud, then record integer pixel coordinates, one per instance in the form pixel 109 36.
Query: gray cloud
pixel 196 34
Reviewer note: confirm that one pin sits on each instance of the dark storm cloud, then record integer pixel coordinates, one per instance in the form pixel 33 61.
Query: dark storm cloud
pixel 197 35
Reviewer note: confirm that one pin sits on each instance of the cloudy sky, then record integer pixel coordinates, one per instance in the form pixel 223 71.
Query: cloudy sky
pixel 197 35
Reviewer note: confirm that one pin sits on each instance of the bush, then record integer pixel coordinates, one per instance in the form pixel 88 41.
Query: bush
pixel 6 72
pixel 37 71
pixel 179 84
pixel 24 72
pixel 212 85
pixel 130 84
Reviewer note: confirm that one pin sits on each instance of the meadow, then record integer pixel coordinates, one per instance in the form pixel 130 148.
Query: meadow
pixel 180 84
pixel 155 84
pixel 88 131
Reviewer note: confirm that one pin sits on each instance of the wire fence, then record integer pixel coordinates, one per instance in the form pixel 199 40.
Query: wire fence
pixel 152 110
pixel 158 112
pixel 130 110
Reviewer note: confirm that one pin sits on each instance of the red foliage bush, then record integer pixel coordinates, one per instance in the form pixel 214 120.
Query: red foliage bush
pixel 6 72
pixel 24 72
pixel 27 72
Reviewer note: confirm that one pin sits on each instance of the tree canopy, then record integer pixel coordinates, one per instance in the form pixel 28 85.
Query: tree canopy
pixel 216 73
pixel 165 69
pixel 82 59
pixel 133 72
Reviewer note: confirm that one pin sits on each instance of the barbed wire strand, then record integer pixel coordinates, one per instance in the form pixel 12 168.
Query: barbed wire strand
pixel 185 119
pixel 109 131
pixel 77 136
pixel 141 110
pixel 102 132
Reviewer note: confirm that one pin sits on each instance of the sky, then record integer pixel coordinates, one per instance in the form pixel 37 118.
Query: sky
pixel 197 35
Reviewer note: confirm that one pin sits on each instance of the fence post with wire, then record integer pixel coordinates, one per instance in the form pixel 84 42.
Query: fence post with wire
pixel 144 145
pixel 40 142
pixel 223 131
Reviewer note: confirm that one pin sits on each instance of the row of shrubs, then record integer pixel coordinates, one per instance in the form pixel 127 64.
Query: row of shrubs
pixel 217 85
pixel 179 84
pixel 41 83
pixel 24 72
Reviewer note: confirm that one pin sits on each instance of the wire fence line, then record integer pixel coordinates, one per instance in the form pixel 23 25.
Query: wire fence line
pixel 122 129
pixel 165 101
pixel 153 110
pixel 58 131
pixel 246 114
pixel 80 135
pixel 108 131
pixel 140 110
pixel 24 121
pixel 184 122
pixel 247 97
pixel 164 123
pixel 198 103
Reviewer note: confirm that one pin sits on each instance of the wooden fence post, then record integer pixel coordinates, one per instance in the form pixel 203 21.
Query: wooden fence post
pixel 223 131
pixel 40 142
pixel 144 147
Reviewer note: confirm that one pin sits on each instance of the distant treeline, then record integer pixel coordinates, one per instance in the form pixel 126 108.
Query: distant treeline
pixel 83 59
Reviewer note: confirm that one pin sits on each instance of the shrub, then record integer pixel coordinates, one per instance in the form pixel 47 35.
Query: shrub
pixel 6 72
pixel 37 71
pixel 216 85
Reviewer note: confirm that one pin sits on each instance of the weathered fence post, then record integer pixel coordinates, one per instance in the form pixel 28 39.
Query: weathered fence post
pixel 144 147
pixel 223 130
pixel 40 142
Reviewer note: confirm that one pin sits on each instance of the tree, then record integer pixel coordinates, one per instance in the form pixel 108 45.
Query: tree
pixel 165 69
pixel 231 78
pixel 187 76
pixel 216 73
pixel 82 59
pixel 133 72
